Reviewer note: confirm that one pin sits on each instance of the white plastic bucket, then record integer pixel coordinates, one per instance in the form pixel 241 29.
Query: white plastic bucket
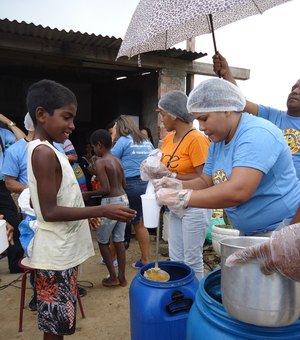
pixel 3 237
pixel 219 233
pixel 151 211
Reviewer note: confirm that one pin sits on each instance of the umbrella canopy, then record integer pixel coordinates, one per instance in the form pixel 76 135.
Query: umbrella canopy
pixel 160 24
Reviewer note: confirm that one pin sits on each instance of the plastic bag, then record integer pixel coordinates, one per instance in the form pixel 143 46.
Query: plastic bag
pixel 153 168
pixel 27 226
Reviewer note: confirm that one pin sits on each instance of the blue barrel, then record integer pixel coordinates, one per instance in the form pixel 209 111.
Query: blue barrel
pixel 159 310
pixel 208 319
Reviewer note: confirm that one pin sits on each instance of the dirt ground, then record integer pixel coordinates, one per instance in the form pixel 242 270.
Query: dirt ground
pixel 106 309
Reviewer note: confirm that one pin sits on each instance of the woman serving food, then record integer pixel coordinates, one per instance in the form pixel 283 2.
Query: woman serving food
pixel 249 170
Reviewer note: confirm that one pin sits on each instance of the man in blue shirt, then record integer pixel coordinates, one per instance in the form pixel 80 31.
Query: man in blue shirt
pixel 288 121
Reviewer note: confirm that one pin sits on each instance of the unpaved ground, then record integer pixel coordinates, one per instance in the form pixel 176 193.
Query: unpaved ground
pixel 106 309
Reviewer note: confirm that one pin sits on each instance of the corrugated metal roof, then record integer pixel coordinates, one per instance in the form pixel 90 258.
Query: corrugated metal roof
pixel 38 31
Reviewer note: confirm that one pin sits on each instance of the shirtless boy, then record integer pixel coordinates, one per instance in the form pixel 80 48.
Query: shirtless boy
pixel 110 174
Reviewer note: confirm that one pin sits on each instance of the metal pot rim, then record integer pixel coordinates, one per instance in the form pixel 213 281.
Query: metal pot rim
pixel 231 241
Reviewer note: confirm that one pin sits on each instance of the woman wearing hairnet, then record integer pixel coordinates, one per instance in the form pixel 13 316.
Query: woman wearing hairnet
pixel 184 154
pixel 249 169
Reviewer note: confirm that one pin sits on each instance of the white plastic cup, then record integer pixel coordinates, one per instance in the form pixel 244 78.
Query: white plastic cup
pixel 3 237
pixel 151 211
pixel 150 189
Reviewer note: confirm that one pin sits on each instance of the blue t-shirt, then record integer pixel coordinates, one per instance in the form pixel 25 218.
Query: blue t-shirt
pixel 15 162
pixel 290 127
pixel 131 154
pixel 260 145
pixel 8 138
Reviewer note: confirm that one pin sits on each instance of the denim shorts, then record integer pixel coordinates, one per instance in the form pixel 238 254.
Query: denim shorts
pixel 135 187
pixel 112 227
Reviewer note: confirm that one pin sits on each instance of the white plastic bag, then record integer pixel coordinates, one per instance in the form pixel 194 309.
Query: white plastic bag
pixel 153 168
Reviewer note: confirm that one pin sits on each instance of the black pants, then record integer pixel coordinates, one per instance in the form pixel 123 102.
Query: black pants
pixel 10 212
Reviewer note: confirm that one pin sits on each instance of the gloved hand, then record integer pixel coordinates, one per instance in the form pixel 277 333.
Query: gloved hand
pixel 166 182
pixel 176 200
pixel 149 172
pixel 281 253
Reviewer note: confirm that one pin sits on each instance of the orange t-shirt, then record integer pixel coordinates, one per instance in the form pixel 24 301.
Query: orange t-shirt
pixel 192 152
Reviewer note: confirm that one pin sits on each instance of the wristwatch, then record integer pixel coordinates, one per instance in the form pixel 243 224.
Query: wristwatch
pixel 11 123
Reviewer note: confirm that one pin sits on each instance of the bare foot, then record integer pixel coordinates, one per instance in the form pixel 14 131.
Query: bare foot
pixel 123 283
pixel 108 282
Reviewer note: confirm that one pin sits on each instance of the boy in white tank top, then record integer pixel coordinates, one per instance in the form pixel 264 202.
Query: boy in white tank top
pixel 62 240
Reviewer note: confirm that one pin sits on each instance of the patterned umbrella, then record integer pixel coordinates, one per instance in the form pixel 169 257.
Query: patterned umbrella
pixel 160 24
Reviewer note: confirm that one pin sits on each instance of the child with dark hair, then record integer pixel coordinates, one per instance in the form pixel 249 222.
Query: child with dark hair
pixel 110 174
pixel 147 132
pixel 50 95
pixel 62 240
pixel 109 127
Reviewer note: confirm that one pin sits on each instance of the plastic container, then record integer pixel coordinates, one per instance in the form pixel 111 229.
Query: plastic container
pixel 151 211
pixel 3 238
pixel 159 310
pixel 218 233
pixel 208 320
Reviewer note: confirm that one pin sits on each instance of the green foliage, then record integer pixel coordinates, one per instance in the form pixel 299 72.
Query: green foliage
pixel 226 220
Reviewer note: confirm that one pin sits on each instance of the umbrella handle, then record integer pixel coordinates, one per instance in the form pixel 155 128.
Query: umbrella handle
pixel 212 31
pixel 213 36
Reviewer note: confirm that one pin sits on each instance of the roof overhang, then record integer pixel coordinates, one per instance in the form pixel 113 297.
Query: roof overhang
pixel 22 43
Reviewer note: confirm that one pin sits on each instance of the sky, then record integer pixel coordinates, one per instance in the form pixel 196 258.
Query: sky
pixel 267 44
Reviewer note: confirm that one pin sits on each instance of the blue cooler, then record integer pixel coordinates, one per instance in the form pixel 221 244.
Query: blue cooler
pixel 159 310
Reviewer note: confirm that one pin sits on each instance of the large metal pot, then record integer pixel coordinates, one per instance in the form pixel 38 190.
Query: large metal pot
pixel 252 297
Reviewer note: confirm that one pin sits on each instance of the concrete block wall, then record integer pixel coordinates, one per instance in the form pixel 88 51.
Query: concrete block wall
pixel 169 80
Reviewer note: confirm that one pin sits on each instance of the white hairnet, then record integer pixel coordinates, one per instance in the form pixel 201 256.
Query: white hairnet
pixel 216 95
pixel 28 123
pixel 174 103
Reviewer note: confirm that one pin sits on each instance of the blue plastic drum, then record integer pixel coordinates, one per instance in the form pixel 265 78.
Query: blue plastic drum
pixel 209 321
pixel 159 310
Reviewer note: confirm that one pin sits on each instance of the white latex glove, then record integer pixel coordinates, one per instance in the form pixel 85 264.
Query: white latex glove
pixel 166 182
pixel 281 253
pixel 176 200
